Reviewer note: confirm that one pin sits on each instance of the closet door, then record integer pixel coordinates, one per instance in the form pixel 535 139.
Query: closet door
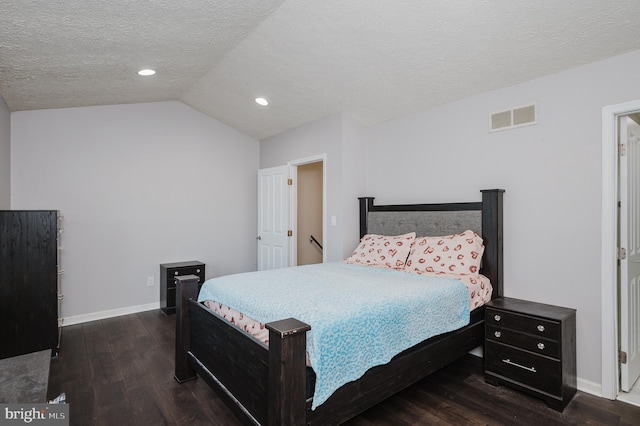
pixel 28 282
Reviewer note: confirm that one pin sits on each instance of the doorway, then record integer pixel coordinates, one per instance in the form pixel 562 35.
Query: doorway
pixel 629 256
pixel 309 209
pixel 614 297
pixel 309 213
pixel 278 213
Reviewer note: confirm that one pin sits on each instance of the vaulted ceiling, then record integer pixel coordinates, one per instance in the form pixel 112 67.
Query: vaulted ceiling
pixel 374 59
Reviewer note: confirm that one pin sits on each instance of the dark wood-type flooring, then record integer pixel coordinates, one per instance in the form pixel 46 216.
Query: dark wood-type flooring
pixel 119 371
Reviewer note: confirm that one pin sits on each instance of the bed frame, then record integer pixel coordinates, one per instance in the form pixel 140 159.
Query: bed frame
pixel 265 385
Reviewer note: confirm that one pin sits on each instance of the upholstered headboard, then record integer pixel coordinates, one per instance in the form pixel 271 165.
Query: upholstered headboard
pixel 424 223
pixel 484 217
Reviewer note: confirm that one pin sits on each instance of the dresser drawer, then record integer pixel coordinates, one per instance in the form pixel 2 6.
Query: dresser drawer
pixel 524 323
pixel 539 372
pixel 531 343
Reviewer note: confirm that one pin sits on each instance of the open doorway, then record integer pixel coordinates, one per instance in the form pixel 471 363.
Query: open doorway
pixel 629 257
pixel 308 209
pixel 309 213
pixel 619 247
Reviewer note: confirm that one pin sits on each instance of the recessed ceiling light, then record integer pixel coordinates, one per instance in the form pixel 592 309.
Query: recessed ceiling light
pixel 146 72
pixel 262 101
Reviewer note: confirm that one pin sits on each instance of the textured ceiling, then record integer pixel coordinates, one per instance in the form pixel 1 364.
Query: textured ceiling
pixel 375 59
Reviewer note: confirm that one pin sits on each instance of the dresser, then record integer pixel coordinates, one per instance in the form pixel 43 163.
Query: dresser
pixel 531 347
pixel 168 273
pixel 29 281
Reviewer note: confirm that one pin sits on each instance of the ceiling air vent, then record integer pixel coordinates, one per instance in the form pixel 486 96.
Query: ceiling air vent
pixel 512 118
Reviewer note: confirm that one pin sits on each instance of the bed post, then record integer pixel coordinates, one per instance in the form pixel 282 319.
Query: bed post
pixel 186 288
pixel 492 266
pixel 287 372
pixel 365 204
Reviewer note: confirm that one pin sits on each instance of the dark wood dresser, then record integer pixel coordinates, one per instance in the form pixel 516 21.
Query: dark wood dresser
pixel 29 281
pixel 168 273
pixel 531 347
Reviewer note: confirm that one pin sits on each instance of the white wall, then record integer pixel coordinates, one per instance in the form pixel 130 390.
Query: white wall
pixel 5 156
pixel 339 137
pixel 138 185
pixel 354 182
pixel 551 173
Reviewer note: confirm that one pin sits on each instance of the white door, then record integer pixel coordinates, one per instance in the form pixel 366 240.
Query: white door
pixel 630 242
pixel 273 218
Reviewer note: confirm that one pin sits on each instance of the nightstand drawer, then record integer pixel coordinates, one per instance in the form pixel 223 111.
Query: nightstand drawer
pixel 531 343
pixel 526 324
pixel 177 272
pixel 539 372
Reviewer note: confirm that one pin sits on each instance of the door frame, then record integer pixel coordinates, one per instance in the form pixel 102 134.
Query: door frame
pixel 610 386
pixel 293 164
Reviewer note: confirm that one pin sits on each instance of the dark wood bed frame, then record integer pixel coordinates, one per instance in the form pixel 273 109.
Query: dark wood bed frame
pixel 265 385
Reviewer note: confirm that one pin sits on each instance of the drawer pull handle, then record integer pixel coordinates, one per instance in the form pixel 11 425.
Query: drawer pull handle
pixel 508 361
pixel 198 270
pixel 541 346
pixel 497 334
pixel 496 317
pixel 541 328
pixel 175 273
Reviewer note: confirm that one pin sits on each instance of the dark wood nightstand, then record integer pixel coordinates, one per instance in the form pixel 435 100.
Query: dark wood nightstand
pixel 531 347
pixel 168 272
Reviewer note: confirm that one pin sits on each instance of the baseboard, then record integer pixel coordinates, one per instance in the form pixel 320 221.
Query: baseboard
pixel 95 316
pixel 589 387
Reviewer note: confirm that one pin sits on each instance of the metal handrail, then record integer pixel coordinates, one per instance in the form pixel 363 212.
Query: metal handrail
pixel 313 240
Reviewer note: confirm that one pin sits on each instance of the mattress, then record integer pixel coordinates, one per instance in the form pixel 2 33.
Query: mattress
pixel 479 289
pixel 352 310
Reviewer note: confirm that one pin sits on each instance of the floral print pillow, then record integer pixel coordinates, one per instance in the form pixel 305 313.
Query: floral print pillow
pixel 383 250
pixel 451 254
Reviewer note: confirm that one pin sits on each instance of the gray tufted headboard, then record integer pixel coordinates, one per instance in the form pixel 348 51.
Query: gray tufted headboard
pixel 483 217
pixel 424 223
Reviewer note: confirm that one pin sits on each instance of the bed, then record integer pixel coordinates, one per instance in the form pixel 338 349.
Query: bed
pixel 266 385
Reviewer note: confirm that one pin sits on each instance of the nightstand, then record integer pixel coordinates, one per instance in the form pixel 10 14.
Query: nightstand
pixel 531 347
pixel 168 272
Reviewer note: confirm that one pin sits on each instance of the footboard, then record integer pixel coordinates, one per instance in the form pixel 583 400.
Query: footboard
pixel 405 369
pixel 266 384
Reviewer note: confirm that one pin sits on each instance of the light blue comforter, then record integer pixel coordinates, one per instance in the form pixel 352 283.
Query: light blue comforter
pixel 360 316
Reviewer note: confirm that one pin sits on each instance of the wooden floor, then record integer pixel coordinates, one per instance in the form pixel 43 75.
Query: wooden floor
pixel 119 371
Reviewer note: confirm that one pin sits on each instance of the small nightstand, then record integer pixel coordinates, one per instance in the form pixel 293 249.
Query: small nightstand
pixel 168 272
pixel 531 347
